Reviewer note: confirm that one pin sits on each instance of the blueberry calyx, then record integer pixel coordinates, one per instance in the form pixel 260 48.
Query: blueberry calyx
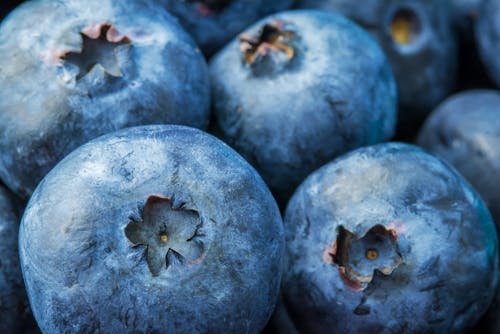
pixel 271 39
pixel 99 47
pixel 405 26
pixel 171 233
pixel 358 259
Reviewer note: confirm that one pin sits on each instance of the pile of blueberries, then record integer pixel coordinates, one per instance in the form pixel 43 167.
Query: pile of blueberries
pixel 224 166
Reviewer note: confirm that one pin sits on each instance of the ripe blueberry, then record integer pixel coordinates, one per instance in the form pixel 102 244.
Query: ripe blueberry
pixel 388 239
pixel 299 88
pixel 159 229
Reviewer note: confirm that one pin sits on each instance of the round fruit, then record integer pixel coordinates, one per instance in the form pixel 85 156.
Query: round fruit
pixel 158 229
pixel 74 70
pixel 298 89
pixel 388 239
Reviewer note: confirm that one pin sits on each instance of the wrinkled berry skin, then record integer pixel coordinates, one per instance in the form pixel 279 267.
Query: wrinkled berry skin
pixel 214 25
pixel 137 67
pixel 440 271
pixel 290 116
pixel 464 130
pixel 89 262
pixel 14 307
pixel 488 38
pixel 425 65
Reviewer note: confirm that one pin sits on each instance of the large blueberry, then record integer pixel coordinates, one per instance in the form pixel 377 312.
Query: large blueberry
pixel 420 43
pixel 299 88
pixel 157 229
pixel 73 70
pixel 488 37
pixel 465 131
pixel 213 23
pixel 14 309
pixel 388 239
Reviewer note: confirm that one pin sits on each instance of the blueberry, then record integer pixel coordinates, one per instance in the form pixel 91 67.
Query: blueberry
pixel 299 88
pixel 388 239
pixel 157 229
pixel 464 130
pixel 14 308
pixel 420 43
pixel 213 23
pixel 488 37
pixel 73 70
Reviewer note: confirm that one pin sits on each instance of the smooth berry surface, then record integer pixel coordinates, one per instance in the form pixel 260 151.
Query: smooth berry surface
pixel 465 131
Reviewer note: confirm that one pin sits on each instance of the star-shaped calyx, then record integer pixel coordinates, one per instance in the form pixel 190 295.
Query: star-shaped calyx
pixel 272 38
pixel 358 258
pixel 99 47
pixel 172 234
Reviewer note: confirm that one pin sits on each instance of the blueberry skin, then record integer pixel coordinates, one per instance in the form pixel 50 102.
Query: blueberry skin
pixel 14 310
pixel 488 38
pixel 146 70
pixel 85 272
pixel 439 229
pixel 213 27
pixel 426 66
pixel 464 130
pixel 288 117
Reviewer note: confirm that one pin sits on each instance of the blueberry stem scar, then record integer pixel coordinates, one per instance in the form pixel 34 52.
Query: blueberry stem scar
pixel 357 259
pixel 404 27
pixel 171 234
pixel 271 38
pixel 99 43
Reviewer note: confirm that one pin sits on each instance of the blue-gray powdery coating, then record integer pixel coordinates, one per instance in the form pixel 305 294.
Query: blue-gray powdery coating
pixel 74 70
pixel 425 65
pixel 288 117
pixel 440 233
pixel 91 263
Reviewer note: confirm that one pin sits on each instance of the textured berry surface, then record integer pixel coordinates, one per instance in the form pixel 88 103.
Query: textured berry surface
pixel 420 43
pixel 155 229
pixel 69 74
pixel 299 88
pixel 388 239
